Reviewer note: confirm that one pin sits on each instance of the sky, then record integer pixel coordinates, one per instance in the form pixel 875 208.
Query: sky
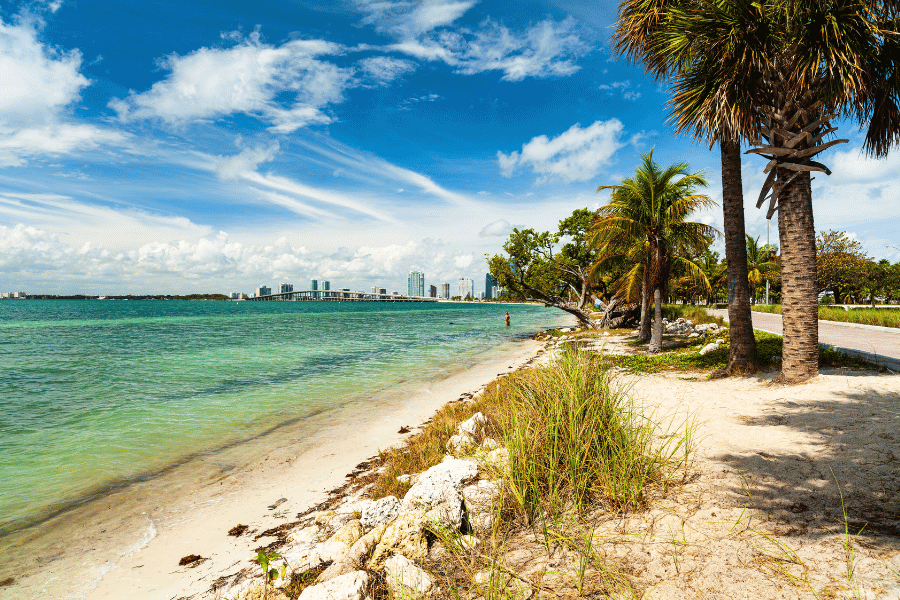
pixel 216 146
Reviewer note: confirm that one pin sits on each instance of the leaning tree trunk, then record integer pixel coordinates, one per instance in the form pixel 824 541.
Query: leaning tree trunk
pixel 800 311
pixel 656 337
pixel 743 344
pixel 644 334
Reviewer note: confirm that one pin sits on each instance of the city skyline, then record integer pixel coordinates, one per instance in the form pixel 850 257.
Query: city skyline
pixel 228 143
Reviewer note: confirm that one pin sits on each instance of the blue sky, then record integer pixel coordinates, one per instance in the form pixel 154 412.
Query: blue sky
pixel 214 146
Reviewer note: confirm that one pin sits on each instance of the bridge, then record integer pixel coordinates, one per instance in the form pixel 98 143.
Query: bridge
pixel 338 296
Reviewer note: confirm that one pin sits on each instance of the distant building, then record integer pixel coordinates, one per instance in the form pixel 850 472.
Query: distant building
pixel 496 291
pixel 19 295
pixel 326 287
pixel 374 289
pixel 286 288
pixel 489 284
pixel 382 291
pixel 432 291
pixel 263 291
pixel 238 296
pixel 445 290
pixel 466 289
pixel 416 284
pixel 314 286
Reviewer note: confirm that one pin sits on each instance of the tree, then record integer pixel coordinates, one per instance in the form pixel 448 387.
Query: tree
pixel 791 66
pixel 841 264
pixel 646 220
pixel 642 31
pixel 535 267
pixel 760 262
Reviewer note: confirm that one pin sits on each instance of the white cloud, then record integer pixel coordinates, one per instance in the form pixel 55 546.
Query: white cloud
pixel 384 69
pixel 575 155
pixel 39 83
pixel 248 159
pixel 546 49
pixel 250 78
pixel 407 19
pixel 463 261
pixel 499 228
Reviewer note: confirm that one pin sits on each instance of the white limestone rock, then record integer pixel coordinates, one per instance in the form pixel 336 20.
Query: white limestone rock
pixel 380 512
pixel 481 500
pixel 437 491
pixel 473 426
pixel 304 558
pixel 353 559
pixel 489 444
pixel 349 533
pixel 405 579
pixel 351 586
pixel 709 348
pixel 405 535
pixel 694 335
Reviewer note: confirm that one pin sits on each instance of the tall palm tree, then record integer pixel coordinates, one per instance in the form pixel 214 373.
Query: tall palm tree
pixel 797 64
pixel 646 219
pixel 760 261
pixel 640 35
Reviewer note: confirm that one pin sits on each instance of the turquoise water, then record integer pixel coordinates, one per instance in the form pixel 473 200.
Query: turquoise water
pixel 100 393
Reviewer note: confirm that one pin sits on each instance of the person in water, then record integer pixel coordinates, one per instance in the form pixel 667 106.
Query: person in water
pixel 507 318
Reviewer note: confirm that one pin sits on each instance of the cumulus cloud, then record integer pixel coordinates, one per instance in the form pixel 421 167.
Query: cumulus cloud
pixel 463 261
pixel 575 155
pixel 39 84
pixel 499 228
pixel 286 85
pixel 409 19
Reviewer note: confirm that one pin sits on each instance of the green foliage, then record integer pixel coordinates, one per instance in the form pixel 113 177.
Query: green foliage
pixel 574 436
pixel 841 264
pixel 264 560
pixel 882 317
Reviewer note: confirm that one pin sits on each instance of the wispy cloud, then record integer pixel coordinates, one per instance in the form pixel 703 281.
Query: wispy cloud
pixel 623 87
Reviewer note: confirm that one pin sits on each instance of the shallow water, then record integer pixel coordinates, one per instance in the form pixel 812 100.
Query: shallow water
pixel 95 395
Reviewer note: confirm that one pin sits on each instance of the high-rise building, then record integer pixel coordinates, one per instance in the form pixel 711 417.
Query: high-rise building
pixel 286 288
pixel 263 291
pixel 374 289
pixel 382 291
pixel 466 289
pixel 326 287
pixel 432 291
pixel 445 290
pixel 416 284
pixel 496 291
pixel 489 286
pixel 314 286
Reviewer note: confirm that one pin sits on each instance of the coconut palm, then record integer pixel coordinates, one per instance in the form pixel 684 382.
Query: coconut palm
pixel 646 220
pixel 641 36
pixel 760 261
pixel 798 64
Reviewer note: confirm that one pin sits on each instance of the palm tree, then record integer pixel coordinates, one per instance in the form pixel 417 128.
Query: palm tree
pixel 760 262
pixel 645 220
pixel 640 35
pixel 798 64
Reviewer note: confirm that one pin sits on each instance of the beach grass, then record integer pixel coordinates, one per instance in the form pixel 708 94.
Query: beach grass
pixel 882 317
pixel 695 314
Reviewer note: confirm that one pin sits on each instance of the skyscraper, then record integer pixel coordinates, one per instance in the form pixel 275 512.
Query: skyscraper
pixel 416 284
pixel 466 289
pixel 489 284
pixel 286 288
pixel 432 291
pixel 314 285
pixel 326 285
pixel 445 290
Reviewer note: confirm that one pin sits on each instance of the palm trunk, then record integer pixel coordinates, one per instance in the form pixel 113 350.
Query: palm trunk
pixel 645 313
pixel 656 338
pixel 800 314
pixel 743 344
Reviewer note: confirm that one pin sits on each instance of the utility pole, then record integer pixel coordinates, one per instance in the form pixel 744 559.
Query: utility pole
pixel 767 243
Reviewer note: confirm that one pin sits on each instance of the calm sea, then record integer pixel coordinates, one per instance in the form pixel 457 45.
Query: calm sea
pixel 98 393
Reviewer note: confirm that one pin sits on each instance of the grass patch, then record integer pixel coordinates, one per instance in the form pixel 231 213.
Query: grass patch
pixel 695 314
pixel 575 439
pixel 882 317
pixel 768 352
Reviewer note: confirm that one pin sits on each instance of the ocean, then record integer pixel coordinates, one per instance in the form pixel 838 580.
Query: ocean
pixel 100 394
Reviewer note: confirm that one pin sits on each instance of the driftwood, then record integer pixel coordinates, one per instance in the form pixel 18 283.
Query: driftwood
pixel 618 314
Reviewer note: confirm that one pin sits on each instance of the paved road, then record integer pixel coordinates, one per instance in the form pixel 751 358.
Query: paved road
pixel 880 345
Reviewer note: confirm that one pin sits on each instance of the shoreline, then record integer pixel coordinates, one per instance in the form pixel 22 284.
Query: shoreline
pixel 295 471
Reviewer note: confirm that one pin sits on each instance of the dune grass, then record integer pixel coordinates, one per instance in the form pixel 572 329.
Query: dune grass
pixel 882 317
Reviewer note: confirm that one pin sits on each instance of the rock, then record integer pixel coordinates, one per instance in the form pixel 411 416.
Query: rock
pixel 694 335
pixel 306 536
pixel 473 426
pixel 301 558
pixel 460 444
pixel 380 512
pixel 349 533
pixel 709 348
pixel 469 542
pixel 496 460
pixel 352 586
pixel 720 341
pixel 353 559
pixel 605 334
pixel 405 478
pixel 405 535
pixel 437 491
pixel 489 444
pixel 404 579
pixel 481 500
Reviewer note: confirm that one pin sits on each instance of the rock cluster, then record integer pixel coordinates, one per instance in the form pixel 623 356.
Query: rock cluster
pixel 360 537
